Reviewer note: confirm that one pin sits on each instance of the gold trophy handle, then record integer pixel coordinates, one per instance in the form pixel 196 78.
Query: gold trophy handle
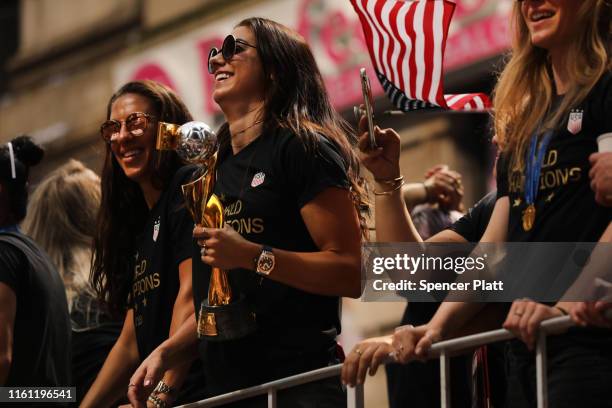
pixel 219 290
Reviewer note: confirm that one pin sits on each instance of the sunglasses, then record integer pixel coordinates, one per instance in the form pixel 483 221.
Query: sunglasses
pixel 136 123
pixel 231 46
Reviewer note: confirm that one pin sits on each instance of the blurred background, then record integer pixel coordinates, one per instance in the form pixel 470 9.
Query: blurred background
pixel 60 61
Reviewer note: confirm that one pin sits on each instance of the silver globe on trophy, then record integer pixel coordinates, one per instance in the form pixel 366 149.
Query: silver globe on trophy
pixel 221 317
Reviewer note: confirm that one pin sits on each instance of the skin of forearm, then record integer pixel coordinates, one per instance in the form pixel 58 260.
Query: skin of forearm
pixel 182 346
pixel 111 383
pixel 341 271
pixel 393 222
pixel 414 194
pixel 183 311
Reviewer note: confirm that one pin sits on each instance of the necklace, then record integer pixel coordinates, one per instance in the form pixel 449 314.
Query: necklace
pixel 244 130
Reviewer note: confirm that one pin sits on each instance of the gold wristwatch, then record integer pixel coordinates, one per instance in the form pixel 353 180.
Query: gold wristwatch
pixel 264 263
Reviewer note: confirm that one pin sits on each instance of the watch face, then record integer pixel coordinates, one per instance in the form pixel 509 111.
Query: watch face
pixel 265 263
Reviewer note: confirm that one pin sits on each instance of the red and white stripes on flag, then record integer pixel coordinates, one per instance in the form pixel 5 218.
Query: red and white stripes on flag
pixel 406 42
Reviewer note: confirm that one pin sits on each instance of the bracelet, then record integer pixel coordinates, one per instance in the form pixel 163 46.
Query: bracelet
pixel 158 402
pixel 389 192
pixel 163 388
pixel 390 182
pixel 395 185
pixel 562 310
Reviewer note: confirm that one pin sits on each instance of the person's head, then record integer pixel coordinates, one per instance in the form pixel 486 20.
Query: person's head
pixel 16 158
pixel 576 35
pixel 275 66
pixel 131 127
pixel 131 162
pixel 70 197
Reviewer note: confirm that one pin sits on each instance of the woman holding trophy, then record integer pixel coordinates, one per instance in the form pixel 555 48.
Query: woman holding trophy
pixel 288 180
pixel 142 247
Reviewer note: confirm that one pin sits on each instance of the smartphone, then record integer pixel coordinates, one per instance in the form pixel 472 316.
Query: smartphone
pixel 366 89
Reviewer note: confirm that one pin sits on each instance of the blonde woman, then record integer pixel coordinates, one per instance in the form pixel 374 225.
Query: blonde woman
pixel 551 102
pixel 69 198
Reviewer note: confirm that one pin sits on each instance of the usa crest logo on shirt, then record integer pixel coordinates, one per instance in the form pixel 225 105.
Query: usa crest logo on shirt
pixel 574 124
pixel 156 229
pixel 258 179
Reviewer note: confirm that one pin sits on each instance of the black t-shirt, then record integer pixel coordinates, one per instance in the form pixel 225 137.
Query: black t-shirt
pixel 41 337
pixel 165 242
pixel 566 210
pixel 474 223
pixel 263 188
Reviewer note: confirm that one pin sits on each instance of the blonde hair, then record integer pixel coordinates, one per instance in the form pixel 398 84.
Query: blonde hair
pixel 61 218
pixel 525 90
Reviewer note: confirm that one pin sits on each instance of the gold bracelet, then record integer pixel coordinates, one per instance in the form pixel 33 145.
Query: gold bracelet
pixel 390 182
pixel 389 192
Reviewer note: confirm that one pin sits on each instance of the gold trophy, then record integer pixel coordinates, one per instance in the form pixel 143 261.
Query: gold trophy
pixel 221 316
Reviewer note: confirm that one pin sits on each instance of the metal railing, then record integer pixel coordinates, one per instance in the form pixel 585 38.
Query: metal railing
pixel 354 395
pixel 442 349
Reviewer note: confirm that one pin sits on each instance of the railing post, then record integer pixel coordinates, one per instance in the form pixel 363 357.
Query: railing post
pixel 541 372
pixel 354 396
pixel 444 380
pixel 271 398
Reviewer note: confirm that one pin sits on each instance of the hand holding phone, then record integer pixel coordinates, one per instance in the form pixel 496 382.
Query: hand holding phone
pixel 369 106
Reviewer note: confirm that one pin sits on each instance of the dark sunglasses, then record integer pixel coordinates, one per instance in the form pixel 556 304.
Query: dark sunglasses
pixel 136 123
pixel 231 46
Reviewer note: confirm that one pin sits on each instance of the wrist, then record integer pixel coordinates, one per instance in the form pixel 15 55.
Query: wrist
pixel 388 187
pixel 428 192
pixel 251 251
pixel 562 307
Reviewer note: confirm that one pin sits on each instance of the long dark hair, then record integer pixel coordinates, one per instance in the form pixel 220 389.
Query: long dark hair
pixel 26 154
pixel 296 99
pixel 123 211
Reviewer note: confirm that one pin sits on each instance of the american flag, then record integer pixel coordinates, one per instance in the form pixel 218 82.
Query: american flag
pixel 406 42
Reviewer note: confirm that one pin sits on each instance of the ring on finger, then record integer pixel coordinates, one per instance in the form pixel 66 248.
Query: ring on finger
pixel 519 313
pixel 359 352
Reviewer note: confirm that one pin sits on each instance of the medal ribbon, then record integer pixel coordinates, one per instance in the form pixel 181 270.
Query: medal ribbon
pixel 534 165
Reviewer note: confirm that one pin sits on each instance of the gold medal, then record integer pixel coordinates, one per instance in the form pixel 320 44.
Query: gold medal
pixel 529 217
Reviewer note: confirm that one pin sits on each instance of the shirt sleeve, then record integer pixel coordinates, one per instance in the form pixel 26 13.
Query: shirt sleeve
pixel 502 176
pixel 181 222
pixel 309 171
pixel 474 223
pixel 11 262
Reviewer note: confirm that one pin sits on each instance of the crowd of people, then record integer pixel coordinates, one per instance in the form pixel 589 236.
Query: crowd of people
pixel 102 279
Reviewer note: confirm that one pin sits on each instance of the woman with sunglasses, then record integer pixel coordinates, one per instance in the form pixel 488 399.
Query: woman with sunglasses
pixel 289 181
pixel 552 101
pixel 142 247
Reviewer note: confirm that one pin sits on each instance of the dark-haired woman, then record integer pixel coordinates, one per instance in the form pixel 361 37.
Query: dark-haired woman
pixel 142 258
pixel 34 322
pixel 289 181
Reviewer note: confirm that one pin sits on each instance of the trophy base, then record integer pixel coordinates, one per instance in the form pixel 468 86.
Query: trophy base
pixel 226 322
